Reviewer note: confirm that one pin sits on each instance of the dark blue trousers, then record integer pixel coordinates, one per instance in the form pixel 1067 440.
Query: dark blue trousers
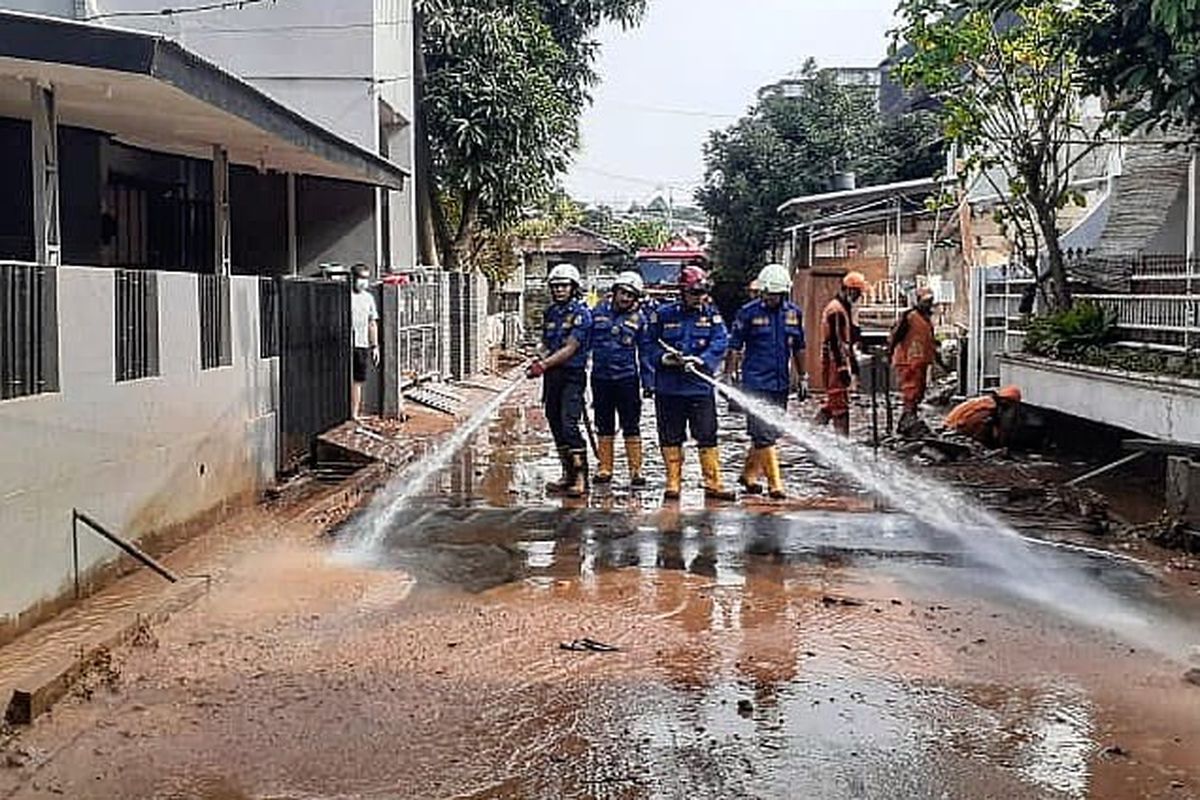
pixel 613 399
pixel 679 413
pixel 563 397
pixel 762 434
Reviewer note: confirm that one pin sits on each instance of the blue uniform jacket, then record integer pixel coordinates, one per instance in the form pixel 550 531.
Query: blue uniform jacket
pixel 769 339
pixel 618 342
pixel 693 333
pixel 566 321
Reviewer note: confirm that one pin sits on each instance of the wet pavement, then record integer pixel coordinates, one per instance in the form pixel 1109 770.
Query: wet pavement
pixel 819 648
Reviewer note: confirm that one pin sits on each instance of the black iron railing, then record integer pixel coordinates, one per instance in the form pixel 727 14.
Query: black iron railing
pixel 216 345
pixel 28 330
pixel 268 317
pixel 135 299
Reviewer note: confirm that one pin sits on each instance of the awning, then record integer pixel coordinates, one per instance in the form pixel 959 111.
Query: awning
pixel 151 92
pixel 834 200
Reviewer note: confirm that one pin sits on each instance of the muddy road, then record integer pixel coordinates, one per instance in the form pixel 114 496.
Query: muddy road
pixel 821 648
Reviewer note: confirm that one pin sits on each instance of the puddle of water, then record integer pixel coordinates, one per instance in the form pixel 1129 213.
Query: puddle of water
pixel 364 535
pixel 1012 562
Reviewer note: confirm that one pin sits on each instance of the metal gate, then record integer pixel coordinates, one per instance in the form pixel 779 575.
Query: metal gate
pixel 314 364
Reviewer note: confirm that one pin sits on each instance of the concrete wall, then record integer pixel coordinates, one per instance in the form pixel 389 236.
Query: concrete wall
pixel 1154 406
pixel 139 456
pixel 55 8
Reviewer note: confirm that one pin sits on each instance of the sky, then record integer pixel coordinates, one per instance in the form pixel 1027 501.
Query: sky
pixel 693 66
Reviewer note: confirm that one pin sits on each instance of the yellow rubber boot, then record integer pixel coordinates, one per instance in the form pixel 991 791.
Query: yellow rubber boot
pixel 634 455
pixel 673 459
pixel 770 460
pixel 605 454
pixel 710 468
pixel 752 471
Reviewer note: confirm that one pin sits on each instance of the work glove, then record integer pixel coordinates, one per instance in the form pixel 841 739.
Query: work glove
pixel 696 363
pixel 844 377
pixel 536 370
pixel 672 361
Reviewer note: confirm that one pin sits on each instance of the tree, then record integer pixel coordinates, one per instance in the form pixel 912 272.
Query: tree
pixel 642 234
pixel 1008 82
pixel 790 146
pixel 1145 56
pixel 500 87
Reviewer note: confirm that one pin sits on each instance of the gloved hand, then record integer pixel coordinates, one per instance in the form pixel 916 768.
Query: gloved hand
pixel 695 362
pixel 844 377
pixel 536 370
pixel 672 361
pixel 647 393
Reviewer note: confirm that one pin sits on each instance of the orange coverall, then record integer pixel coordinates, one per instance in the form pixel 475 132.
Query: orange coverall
pixel 837 360
pixel 973 417
pixel 914 349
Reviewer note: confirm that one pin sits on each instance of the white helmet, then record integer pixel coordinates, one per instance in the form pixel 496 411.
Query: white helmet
pixel 565 273
pixel 630 282
pixel 775 279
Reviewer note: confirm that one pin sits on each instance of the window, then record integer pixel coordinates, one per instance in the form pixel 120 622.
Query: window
pixel 136 314
pixel 28 330
pixel 216 346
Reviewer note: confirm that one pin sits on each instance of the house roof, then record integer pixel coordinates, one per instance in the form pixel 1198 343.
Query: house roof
pixel 1150 181
pixel 150 91
pixel 575 240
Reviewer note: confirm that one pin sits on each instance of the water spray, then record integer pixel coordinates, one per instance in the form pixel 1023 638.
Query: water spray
pixel 1017 568
pixel 367 533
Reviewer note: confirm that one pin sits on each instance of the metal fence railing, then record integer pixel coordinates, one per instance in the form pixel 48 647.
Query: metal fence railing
pixel 28 330
pixel 268 317
pixel 216 340
pixel 414 316
pixel 135 328
pixel 1160 310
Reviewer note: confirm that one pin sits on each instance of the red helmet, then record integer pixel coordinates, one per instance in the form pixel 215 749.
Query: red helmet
pixel 693 279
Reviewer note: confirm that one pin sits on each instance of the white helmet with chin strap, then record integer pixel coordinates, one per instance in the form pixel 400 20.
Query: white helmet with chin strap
pixel 775 279
pixel 631 282
pixel 565 273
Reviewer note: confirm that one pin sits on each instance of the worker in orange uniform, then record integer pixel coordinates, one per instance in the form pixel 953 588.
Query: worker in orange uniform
pixel 991 419
pixel 838 363
pixel 913 350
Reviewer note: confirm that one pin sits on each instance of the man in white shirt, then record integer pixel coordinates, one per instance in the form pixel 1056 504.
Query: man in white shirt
pixel 364 321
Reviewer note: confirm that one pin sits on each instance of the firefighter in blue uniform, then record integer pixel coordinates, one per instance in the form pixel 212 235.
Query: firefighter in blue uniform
pixel 684 336
pixel 767 342
pixel 620 368
pixel 566 329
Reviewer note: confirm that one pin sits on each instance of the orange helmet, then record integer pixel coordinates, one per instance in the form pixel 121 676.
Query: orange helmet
pixel 1010 393
pixel 855 280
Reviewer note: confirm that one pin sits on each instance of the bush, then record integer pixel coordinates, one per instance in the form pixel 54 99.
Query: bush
pixel 1071 333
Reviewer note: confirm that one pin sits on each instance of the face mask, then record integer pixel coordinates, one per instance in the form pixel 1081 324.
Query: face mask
pixel 360 285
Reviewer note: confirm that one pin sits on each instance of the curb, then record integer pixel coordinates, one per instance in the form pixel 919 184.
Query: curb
pixel 34 695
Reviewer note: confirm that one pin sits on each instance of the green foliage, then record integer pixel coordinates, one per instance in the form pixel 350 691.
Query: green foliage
pixel 1007 79
pixel 1145 54
pixel 1070 333
pixel 643 234
pixel 790 146
pixel 505 84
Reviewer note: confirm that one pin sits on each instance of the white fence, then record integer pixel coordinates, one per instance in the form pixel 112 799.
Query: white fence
pixel 1160 312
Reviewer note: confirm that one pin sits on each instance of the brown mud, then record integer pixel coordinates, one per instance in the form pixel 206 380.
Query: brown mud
pixel 814 649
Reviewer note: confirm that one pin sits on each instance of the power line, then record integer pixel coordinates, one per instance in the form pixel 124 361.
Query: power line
pixel 679 112
pixel 641 181
pixel 225 5
pixel 345 26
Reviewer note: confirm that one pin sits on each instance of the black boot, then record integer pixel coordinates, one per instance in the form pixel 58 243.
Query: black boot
pixel 560 486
